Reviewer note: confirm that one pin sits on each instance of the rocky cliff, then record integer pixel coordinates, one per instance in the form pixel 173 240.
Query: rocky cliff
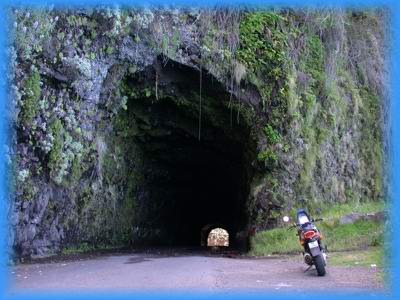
pixel 139 126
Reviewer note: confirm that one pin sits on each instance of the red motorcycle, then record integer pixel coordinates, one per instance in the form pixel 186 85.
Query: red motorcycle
pixel 310 239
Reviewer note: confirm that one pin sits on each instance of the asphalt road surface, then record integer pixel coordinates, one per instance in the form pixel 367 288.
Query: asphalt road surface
pixel 194 272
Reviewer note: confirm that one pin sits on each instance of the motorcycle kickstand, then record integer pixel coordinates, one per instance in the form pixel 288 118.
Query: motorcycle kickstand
pixel 309 267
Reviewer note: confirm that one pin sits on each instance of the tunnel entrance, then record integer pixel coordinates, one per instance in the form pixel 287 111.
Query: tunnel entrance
pixel 185 178
pixel 218 237
pixel 214 235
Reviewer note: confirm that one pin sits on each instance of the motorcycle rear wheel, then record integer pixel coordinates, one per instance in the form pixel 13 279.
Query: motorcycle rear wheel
pixel 319 265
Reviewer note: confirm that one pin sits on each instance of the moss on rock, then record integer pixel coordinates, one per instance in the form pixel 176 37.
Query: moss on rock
pixel 299 82
pixel 30 100
pixel 55 155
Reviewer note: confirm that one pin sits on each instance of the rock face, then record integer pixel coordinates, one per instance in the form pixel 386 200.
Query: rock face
pixel 354 217
pixel 139 126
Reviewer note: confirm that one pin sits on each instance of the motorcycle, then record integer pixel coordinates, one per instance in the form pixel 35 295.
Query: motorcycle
pixel 310 239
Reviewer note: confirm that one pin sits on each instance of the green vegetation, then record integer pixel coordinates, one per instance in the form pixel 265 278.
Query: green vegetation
pixel 312 124
pixel 339 210
pixel 86 248
pixel 371 257
pixel 275 241
pixel 312 61
pixel 337 237
pixel 366 258
pixel 109 50
pixel 307 83
pixel 81 248
pixel 29 190
pixel 263 51
pixel 268 157
pixel 297 96
pixel 30 100
pixel 272 135
pixel 262 43
pixel 371 147
pixel 360 234
pixel 55 155
pixel 33 27
pixel 77 169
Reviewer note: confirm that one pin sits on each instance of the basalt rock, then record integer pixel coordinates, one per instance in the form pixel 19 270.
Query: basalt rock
pixel 142 126
pixel 378 217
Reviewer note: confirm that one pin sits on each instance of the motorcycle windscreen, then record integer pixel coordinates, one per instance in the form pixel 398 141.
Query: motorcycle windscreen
pixel 303 219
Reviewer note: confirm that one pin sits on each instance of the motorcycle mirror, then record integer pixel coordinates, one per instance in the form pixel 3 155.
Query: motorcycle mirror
pixel 285 219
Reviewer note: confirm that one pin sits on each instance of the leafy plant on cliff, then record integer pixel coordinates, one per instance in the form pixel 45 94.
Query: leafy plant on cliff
pixel 263 50
pixel 262 43
pixel 370 147
pixel 268 157
pixel 30 100
pixel 55 155
pixel 272 135
pixel 32 27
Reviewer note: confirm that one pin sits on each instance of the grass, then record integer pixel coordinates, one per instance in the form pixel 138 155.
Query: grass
pixel 365 258
pixel 337 211
pixel 337 237
pixel 86 248
pixel 275 241
pixel 371 257
pixel 359 235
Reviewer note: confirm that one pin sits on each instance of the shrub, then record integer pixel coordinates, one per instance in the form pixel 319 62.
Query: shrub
pixel 30 100
pixel 272 135
pixel 55 156
pixel 269 158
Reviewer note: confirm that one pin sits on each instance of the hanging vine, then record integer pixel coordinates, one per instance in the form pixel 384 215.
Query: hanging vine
pixel 200 100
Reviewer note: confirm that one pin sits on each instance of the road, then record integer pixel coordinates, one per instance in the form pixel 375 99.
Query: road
pixel 195 272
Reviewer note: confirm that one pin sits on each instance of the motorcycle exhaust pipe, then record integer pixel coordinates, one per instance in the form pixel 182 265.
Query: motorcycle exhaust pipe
pixel 308 259
pixel 324 256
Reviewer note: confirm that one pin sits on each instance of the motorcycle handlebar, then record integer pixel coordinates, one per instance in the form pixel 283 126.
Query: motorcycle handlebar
pixel 296 225
pixel 293 226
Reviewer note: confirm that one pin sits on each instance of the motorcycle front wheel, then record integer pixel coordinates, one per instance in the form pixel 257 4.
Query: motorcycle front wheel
pixel 319 265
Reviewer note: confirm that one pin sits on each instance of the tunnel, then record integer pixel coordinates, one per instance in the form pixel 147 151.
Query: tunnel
pixel 190 150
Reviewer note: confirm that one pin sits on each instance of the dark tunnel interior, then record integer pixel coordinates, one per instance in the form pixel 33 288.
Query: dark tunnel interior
pixel 189 180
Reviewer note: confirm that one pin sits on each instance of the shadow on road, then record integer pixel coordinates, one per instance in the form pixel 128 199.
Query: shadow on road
pixel 143 254
pixel 136 260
